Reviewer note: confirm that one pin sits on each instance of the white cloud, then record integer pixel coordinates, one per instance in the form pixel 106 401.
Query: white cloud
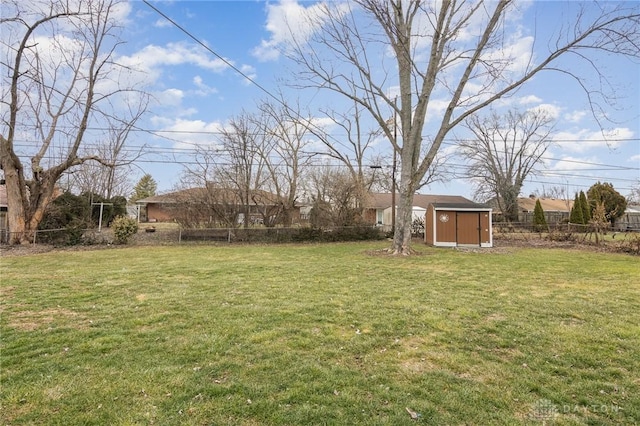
pixel 290 22
pixel 162 23
pixel 550 110
pixel 615 138
pixel 152 58
pixel 250 72
pixel 582 140
pixel 324 123
pixel 514 56
pixel 575 116
pixel 267 51
pixel 510 101
pixel 529 99
pixel 569 163
pixel 202 88
pixel 170 97
pixel 436 109
pixel 189 133
pixel 573 140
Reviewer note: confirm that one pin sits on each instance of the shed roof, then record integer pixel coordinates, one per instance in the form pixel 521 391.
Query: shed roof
pixel 457 206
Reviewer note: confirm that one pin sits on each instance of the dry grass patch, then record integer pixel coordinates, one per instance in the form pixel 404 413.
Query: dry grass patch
pixel 28 320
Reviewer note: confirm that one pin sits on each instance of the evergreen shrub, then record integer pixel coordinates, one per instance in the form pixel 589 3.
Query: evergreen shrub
pixel 123 229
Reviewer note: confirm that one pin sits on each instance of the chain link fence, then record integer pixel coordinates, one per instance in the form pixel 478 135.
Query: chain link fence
pixel 157 235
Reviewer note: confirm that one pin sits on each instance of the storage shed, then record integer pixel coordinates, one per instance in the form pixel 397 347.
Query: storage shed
pixel 458 225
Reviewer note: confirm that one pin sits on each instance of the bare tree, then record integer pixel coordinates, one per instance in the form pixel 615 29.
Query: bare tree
pixel 283 153
pixel 239 169
pixel 61 81
pixel 634 194
pixel 555 192
pixel 200 199
pixel 335 196
pixel 109 177
pixel 216 185
pixel 353 150
pixel 504 151
pixel 259 157
pixel 243 168
pixel 455 52
pixel 208 205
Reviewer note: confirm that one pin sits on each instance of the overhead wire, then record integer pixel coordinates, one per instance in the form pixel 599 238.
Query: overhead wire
pixel 193 151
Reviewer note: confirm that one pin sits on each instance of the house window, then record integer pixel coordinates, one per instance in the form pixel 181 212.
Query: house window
pixel 379 214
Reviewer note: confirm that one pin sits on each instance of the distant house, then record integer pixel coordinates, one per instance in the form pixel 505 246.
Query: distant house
pixel 213 206
pixel 378 211
pixel 556 210
pixel 630 220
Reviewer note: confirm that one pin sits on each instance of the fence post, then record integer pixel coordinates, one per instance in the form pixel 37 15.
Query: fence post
pixel 179 235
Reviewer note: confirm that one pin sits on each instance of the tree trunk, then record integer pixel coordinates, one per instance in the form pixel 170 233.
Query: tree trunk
pixel 404 214
pixel 404 217
pixel 510 199
pixel 23 220
pixel 18 232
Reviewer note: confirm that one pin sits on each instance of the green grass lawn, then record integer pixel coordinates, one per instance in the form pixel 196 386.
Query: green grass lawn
pixel 319 334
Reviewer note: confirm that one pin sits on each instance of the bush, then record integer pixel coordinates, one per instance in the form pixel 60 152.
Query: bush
pixel 305 234
pixel 124 228
pixel 353 233
pixel 285 235
pixel 631 245
pixel 64 221
pixel 562 236
pixel 417 227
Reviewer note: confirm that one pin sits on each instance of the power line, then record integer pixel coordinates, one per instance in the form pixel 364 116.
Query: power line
pixel 208 49
pixel 155 150
pixel 461 169
pixel 448 141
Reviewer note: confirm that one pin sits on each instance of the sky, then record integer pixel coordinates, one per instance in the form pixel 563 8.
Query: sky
pixel 197 90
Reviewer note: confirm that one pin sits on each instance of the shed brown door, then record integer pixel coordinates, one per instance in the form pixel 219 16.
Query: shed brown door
pixel 468 229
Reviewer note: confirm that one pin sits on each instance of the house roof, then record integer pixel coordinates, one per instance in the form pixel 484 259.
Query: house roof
pixel 456 206
pixel 633 208
pixel 528 204
pixel 212 194
pixel 383 200
pixel 171 197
